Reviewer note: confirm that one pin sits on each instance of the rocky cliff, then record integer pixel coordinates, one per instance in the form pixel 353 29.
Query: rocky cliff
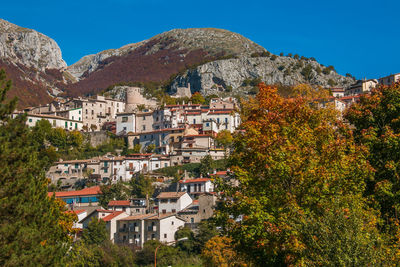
pixel 33 61
pixel 233 74
pixel 29 47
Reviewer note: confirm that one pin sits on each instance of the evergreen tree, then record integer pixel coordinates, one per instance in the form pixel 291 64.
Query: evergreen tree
pixel 34 230
pixel 95 233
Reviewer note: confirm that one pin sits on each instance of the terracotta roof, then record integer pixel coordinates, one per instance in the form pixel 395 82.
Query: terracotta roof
pixel 75 211
pixel 220 112
pixel 112 215
pixel 220 173
pixel 197 180
pixel 349 97
pixel 171 194
pixel 73 161
pixel 119 203
pixel 95 190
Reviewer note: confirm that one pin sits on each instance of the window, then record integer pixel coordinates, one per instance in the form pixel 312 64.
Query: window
pixel 164 211
pixel 144 118
pixel 173 210
pixel 194 121
pixel 86 111
pixel 124 119
pixel 156 165
pixel 66 124
pixel 76 165
pixel 192 220
pixel 173 200
pixel 79 112
pixel 217 120
pixel 172 223
pixel 72 117
pixel 207 124
pixel 144 128
pixel 92 112
pixel 30 120
pixel 226 120
pixel 165 235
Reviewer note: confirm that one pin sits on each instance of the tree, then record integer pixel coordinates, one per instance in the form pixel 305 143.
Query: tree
pixel 197 98
pixel 376 121
pixel 141 186
pixel 300 176
pixel 307 72
pixel 96 233
pixel 34 230
pixel 206 166
pixel 219 252
pixel 116 191
pixel 308 92
pixel 150 148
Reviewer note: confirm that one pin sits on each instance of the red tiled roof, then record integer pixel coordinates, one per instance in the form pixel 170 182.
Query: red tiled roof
pixel 95 190
pixel 75 211
pixel 220 173
pixel 119 203
pixel 112 215
pixel 197 180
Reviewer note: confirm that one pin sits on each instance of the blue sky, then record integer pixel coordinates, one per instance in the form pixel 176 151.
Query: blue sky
pixel 359 37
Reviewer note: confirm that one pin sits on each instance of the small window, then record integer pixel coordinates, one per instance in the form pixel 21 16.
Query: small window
pixel 173 210
pixel 30 120
pixel 172 223
pixel 124 119
pixel 165 235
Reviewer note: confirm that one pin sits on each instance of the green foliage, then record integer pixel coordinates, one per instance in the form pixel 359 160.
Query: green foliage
pixel 318 70
pixel 307 72
pixel 96 233
pixel 328 70
pixel 150 148
pixel 166 255
pixel 301 183
pixel 206 166
pixel 197 98
pixel 296 56
pixel 281 54
pixel 273 57
pixel 141 186
pixel 332 82
pixel 192 168
pixel 34 230
pixel 117 191
pixel 376 121
pixel 106 254
pixel 251 82
pixel 289 55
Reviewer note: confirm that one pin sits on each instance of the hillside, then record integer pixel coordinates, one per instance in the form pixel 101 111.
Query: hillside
pixel 32 60
pixel 211 60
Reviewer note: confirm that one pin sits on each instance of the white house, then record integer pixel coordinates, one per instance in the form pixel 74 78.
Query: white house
pixel 55 121
pixel 140 228
pixel 126 122
pixel 173 201
pixel 196 186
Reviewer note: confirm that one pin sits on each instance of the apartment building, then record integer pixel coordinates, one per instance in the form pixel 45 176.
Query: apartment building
pixel 55 121
pixel 172 202
pixel 138 229
pixel 388 80
pixel 361 87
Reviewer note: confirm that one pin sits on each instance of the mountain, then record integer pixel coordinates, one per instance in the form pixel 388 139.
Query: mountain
pixel 32 60
pixel 211 60
pixel 157 59
pixel 236 73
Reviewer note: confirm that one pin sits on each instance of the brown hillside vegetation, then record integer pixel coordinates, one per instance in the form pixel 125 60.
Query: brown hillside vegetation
pixel 140 66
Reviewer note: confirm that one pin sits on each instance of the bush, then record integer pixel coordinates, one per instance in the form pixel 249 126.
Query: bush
pixel 273 57
pixel 307 71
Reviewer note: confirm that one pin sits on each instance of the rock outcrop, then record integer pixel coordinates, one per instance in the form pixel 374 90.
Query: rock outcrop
pixel 232 74
pixel 29 47
pixel 32 61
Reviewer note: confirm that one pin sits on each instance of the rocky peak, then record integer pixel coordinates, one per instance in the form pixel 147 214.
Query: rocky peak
pixel 28 47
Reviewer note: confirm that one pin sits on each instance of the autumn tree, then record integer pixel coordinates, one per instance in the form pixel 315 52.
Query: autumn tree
pixel 34 230
pixel 219 252
pixel 197 98
pixel 376 118
pixel 301 182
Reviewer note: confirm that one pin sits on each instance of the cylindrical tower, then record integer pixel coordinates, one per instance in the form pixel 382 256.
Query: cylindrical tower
pixel 133 98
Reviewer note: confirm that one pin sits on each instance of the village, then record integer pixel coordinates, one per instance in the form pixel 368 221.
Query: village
pixel 164 136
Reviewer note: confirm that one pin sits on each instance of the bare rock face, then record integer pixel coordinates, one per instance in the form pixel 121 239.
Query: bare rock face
pixel 29 48
pixel 219 75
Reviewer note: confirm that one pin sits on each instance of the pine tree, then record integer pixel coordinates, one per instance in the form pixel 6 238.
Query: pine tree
pixel 34 230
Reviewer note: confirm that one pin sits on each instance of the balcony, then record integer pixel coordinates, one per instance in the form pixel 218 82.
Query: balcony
pixel 123 230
